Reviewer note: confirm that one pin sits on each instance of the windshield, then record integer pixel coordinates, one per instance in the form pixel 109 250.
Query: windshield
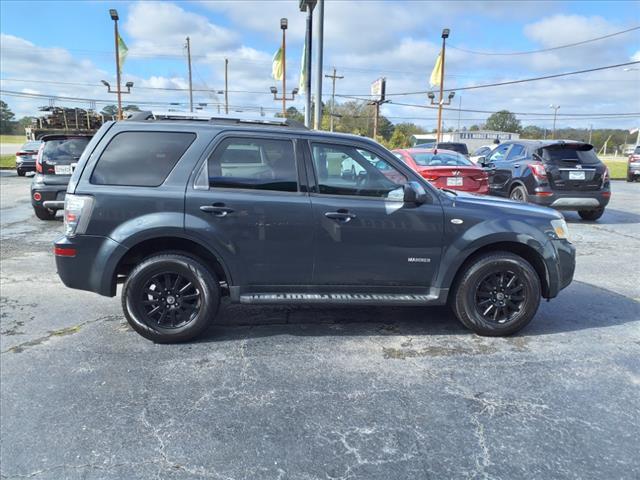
pixel 579 153
pixel 440 159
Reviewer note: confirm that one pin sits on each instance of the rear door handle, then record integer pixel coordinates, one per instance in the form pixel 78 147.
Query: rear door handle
pixel 342 215
pixel 516 165
pixel 218 209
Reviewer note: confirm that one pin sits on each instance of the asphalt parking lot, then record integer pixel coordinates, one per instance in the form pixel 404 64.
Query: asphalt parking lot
pixel 309 393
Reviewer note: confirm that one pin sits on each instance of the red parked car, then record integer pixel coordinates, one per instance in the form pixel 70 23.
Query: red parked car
pixel 446 169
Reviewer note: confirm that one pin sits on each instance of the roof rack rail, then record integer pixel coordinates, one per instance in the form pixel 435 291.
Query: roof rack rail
pixel 206 117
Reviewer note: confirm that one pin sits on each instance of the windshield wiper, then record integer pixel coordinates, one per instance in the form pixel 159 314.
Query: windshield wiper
pixel 448 190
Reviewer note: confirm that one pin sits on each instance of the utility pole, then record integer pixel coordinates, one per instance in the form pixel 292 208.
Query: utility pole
pixel 226 86
pixel 459 112
pixel 590 132
pixel 317 117
pixel 283 26
pixel 333 78
pixel 378 89
pixel 190 82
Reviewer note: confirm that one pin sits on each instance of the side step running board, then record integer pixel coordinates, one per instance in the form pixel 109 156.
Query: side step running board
pixel 338 298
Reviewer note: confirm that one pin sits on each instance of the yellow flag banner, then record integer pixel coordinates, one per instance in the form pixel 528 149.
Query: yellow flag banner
pixel 302 86
pixel 436 73
pixel 122 51
pixel 276 68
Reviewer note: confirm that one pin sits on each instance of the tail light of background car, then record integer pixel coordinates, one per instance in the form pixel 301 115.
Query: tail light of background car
pixel 77 213
pixel 430 177
pixel 605 175
pixel 538 170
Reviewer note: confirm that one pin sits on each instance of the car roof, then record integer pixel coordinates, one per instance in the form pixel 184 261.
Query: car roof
pixel 545 143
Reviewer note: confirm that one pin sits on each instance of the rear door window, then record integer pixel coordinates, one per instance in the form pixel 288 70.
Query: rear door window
pixel 561 154
pixel 516 151
pixel 254 163
pixel 141 159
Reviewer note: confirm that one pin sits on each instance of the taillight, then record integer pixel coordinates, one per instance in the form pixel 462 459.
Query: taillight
pixel 22 154
pixel 77 213
pixel 605 175
pixel 538 170
pixel 429 176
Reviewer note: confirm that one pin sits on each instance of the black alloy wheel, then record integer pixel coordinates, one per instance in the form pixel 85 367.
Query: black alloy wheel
pixel 500 296
pixel 170 300
pixel 518 194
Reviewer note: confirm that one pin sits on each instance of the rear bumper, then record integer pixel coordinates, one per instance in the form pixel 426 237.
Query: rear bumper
pixel 26 166
pixel 89 263
pixel 48 193
pixel 572 200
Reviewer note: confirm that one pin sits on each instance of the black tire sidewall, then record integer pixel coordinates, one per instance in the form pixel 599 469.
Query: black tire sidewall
pixel 464 301
pixel 190 268
pixel 591 215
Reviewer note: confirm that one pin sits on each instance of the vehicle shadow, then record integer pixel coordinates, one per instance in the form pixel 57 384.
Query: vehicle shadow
pixel 611 217
pixel 579 307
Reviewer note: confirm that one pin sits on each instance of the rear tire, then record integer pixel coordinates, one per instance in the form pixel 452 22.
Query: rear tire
pixel 44 213
pixel 591 215
pixel 497 294
pixel 518 194
pixel 170 298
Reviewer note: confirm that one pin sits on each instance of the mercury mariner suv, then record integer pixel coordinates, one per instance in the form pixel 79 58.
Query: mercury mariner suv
pixel 185 210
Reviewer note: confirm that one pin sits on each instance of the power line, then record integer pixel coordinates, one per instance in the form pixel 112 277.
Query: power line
pixel 511 82
pixel 550 49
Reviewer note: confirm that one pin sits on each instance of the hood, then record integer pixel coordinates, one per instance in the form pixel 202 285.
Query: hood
pixel 504 204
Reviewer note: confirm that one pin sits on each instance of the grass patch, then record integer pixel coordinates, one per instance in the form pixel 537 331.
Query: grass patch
pixel 617 169
pixel 7 161
pixel 13 139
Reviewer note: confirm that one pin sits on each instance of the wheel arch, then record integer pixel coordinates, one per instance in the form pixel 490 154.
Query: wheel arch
pixel 523 250
pixel 165 244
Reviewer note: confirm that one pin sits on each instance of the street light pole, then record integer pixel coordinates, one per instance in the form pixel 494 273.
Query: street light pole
pixel 190 82
pixel 283 26
pixel 445 35
pixel 555 114
pixel 114 16
pixel 317 114
pixel 226 86
pixel 308 6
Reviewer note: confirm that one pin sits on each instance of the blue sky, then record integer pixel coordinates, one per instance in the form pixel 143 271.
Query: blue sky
pixel 364 40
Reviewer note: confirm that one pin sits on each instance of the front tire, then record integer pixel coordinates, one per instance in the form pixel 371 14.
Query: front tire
pixel 497 294
pixel 21 173
pixel 170 298
pixel 44 213
pixel 591 215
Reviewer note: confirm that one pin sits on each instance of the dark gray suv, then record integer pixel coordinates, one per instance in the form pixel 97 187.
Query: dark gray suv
pixel 185 211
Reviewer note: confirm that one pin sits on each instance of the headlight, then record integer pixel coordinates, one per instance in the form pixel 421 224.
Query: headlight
pixel 560 228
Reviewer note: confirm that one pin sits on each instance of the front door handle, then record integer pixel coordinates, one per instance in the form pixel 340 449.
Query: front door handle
pixel 516 165
pixel 218 209
pixel 342 215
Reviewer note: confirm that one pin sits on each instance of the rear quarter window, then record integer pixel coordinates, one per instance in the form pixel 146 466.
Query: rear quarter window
pixel 140 159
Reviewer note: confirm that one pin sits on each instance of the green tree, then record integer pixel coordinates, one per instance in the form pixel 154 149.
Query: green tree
pixel 474 128
pixel 532 131
pixel 503 121
pixel 7 122
pixel 402 134
pixel 110 110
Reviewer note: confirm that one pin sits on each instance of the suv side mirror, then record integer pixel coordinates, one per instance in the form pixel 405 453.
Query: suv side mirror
pixel 415 193
pixel 482 160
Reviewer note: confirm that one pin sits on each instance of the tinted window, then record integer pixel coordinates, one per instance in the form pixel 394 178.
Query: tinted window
pixel 344 170
pixel 499 153
pixel 482 151
pixel 258 164
pixel 516 152
pixel 570 153
pixel 440 159
pixel 142 159
pixel 637 150
pixel 64 150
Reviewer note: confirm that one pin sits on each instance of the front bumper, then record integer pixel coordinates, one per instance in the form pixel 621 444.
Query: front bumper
pixel 92 265
pixel 566 264
pixel 573 199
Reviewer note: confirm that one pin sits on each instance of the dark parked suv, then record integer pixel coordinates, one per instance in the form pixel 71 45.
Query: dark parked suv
pixel 185 211
pixel 565 175
pixel 58 156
